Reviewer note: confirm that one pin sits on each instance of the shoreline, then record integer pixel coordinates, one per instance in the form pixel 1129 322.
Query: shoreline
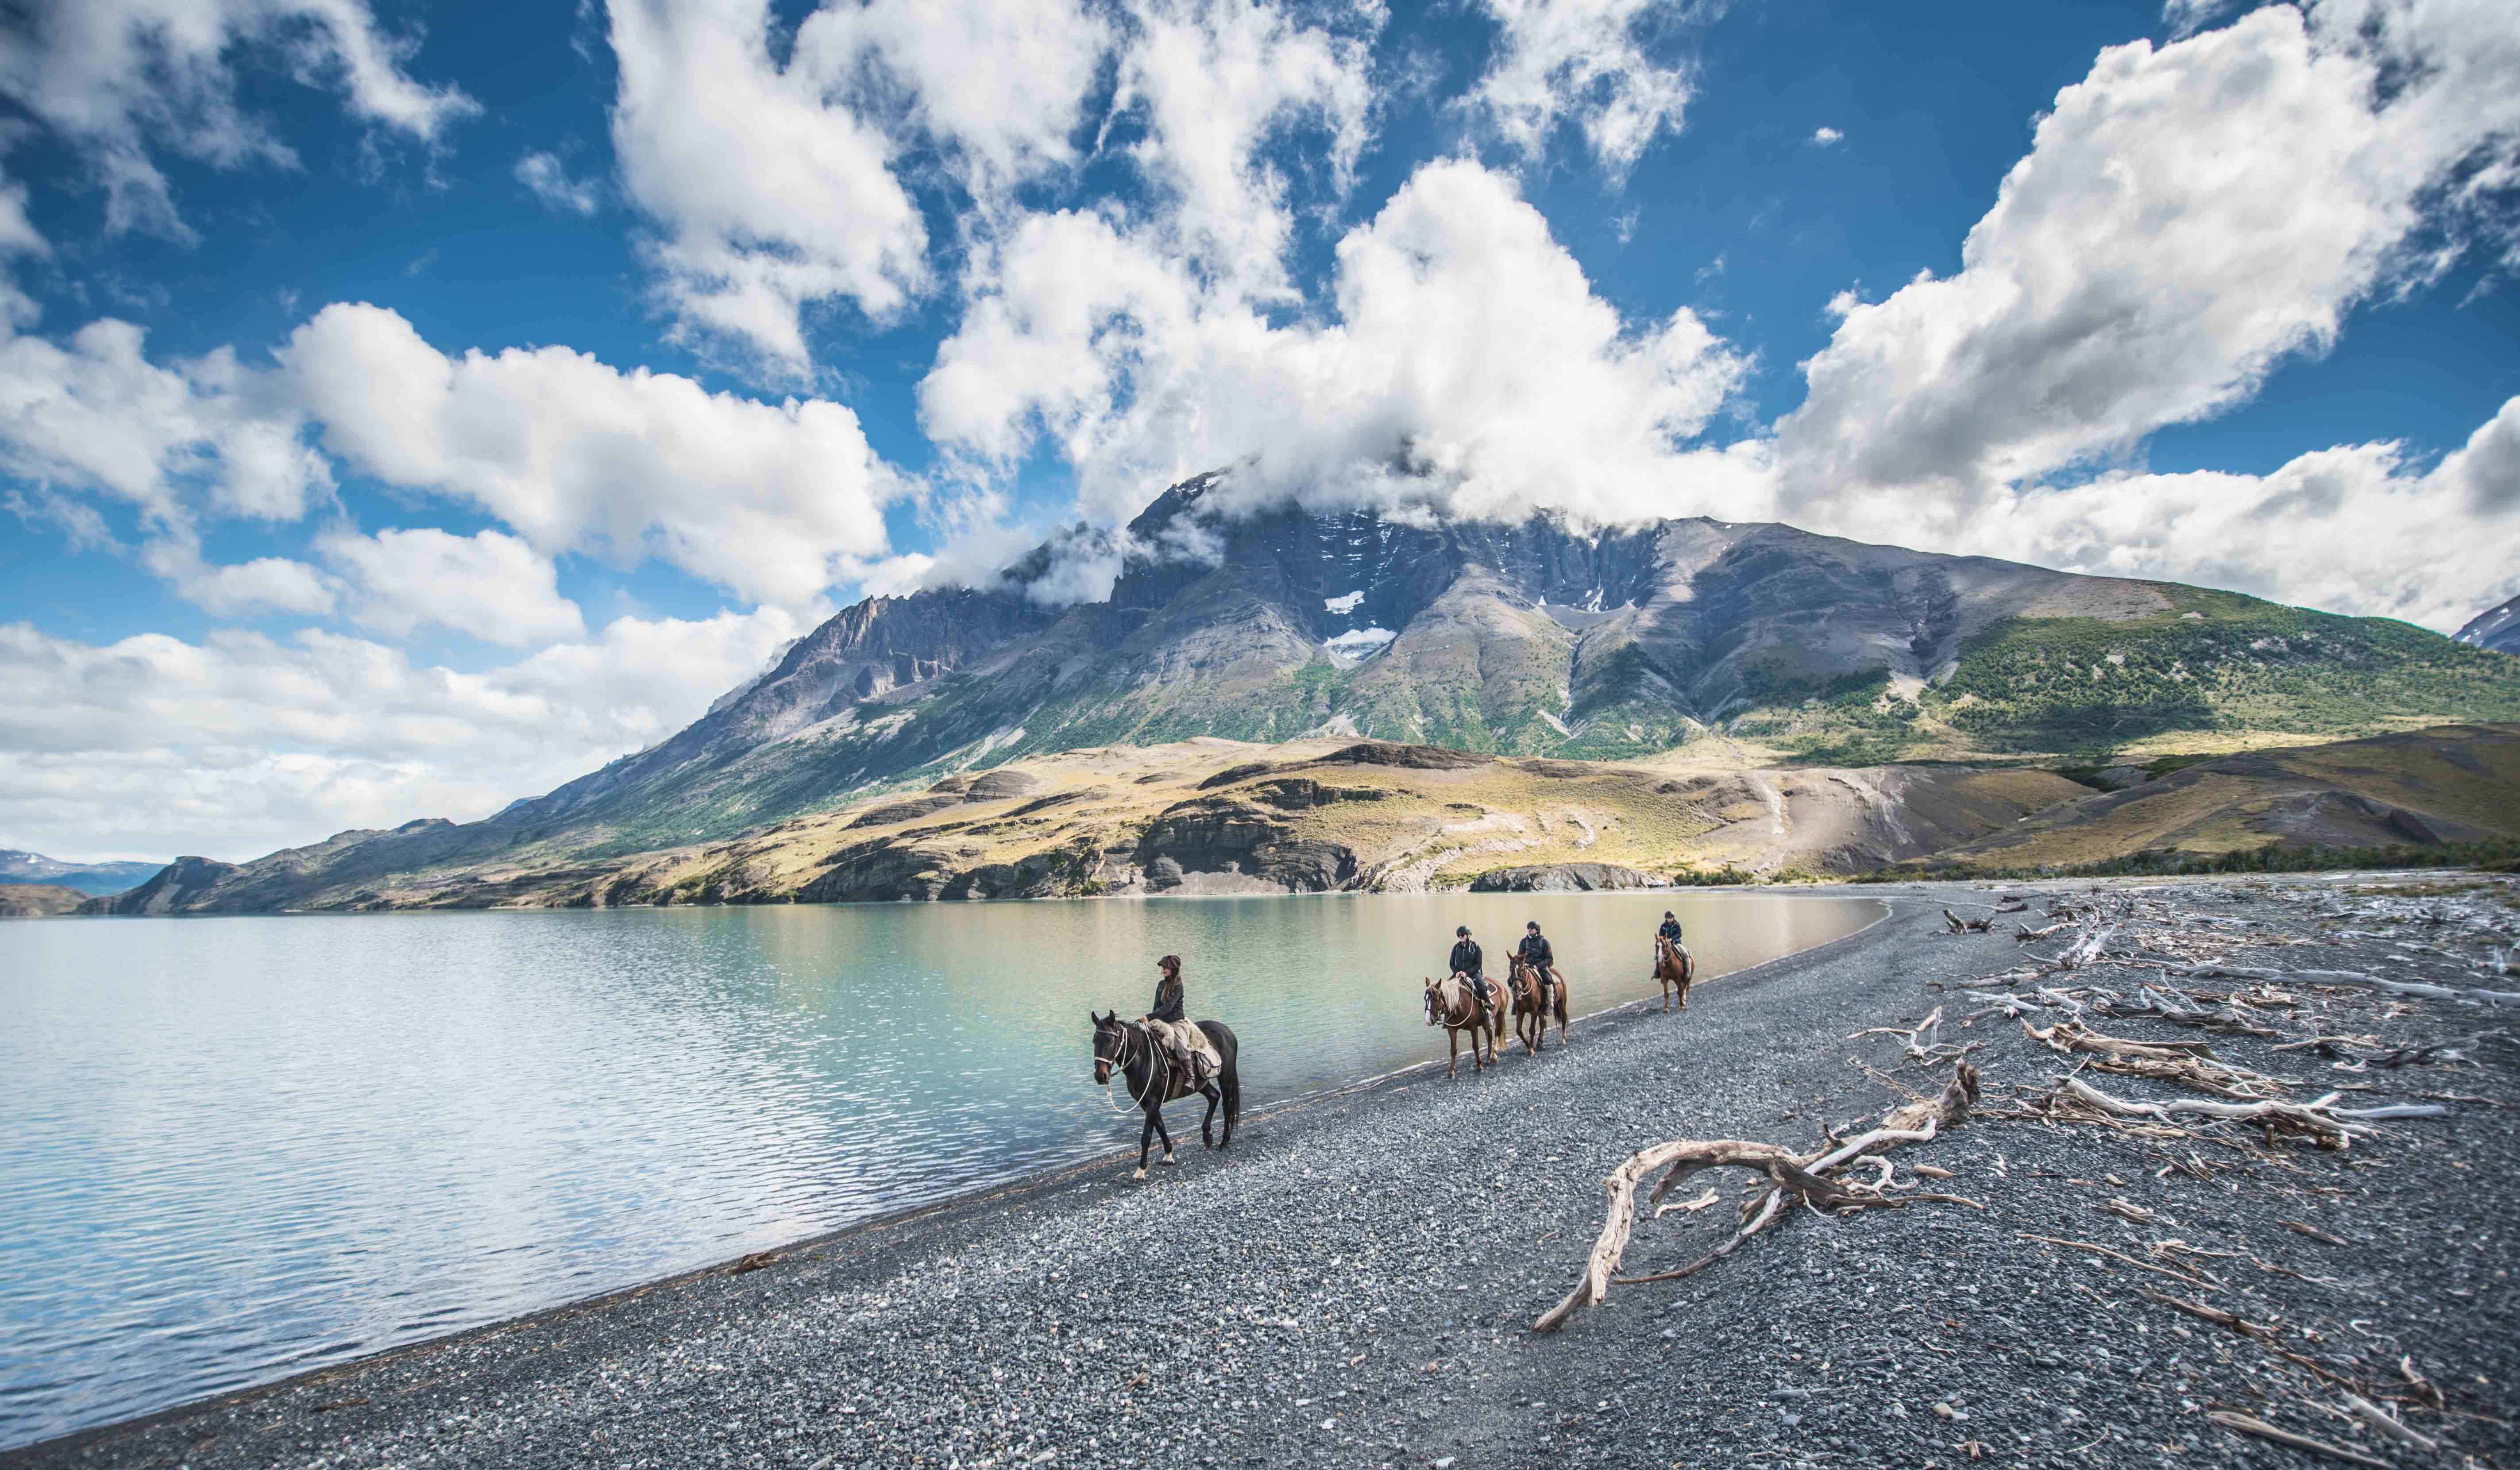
pixel 979 1195
pixel 535 1389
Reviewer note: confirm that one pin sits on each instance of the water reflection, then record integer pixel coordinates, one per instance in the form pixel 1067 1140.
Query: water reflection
pixel 237 1148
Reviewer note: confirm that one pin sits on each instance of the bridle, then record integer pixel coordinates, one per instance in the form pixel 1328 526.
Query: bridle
pixel 1454 1016
pixel 1110 1067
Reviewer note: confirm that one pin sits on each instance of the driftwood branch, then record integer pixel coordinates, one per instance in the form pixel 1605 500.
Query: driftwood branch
pixel 2249 1425
pixel 2190 1064
pixel 1792 1179
pixel 2320 1121
pixel 2418 989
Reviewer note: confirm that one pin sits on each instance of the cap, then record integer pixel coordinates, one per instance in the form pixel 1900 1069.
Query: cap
pixel 1463 931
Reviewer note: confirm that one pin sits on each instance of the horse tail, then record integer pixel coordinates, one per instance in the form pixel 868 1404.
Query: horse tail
pixel 1229 1079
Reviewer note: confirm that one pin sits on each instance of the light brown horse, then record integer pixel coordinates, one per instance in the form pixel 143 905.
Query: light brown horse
pixel 1451 1005
pixel 1530 1021
pixel 1676 969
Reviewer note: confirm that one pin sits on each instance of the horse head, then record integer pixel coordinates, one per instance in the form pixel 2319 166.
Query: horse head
pixel 1110 1046
pixel 1436 1005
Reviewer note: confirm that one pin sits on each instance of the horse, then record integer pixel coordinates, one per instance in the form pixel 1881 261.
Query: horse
pixel 1527 1008
pixel 1451 1005
pixel 1676 969
pixel 1155 1077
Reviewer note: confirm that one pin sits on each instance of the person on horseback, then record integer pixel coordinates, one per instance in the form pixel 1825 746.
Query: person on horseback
pixel 1534 952
pixel 1167 1019
pixel 1467 962
pixel 1670 930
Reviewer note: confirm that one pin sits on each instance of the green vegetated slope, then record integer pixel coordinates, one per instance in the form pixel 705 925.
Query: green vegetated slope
pixel 2221 671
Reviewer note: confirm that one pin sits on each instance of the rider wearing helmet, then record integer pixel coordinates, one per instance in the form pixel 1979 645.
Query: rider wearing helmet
pixel 1467 962
pixel 1189 1044
pixel 1534 952
pixel 1670 930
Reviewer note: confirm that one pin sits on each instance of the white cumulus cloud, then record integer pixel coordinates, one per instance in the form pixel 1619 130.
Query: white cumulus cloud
pixel 773 502
pixel 1586 62
pixel 2355 528
pixel 2189 217
pixel 126 78
pixel 239 744
pixel 491 586
pixel 1467 368
pixel 772 194
pixel 547 179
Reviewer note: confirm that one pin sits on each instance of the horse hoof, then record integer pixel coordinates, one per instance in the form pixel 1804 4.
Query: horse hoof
pixel 1170 1161
pixel 1141 1174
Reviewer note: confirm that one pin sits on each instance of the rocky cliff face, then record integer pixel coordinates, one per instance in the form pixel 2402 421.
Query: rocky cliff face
pixel 2496 628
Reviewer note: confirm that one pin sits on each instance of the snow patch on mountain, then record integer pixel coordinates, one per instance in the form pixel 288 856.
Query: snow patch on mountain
pixel 1362 642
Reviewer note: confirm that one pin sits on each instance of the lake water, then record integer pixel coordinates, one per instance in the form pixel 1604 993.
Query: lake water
pixel 232 1149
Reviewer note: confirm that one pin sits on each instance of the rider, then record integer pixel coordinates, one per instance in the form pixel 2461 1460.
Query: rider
pixel 1466 961
pixel 1534 952
pixel 1670 930
pixel 1167 1014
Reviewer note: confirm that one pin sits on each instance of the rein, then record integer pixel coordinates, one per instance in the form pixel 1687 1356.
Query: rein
pixel 1463 1002
pixel 1129 1035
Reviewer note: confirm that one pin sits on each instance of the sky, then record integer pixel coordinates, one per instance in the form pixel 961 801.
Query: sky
pixel 407 407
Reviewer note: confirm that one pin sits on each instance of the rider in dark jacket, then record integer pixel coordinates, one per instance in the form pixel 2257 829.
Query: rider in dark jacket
pixel 1168 990
pixel 1180 1037
pixel 1670 930
pixel 1467 962
pixel 1534 952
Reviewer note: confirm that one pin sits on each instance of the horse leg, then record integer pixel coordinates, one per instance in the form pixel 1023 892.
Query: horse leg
pixel 1146 1136
pixel 1165 1133
pixel 1453 1045
pixel 1215 1096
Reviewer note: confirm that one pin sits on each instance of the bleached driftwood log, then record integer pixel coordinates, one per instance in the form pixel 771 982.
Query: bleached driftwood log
pixel 2418 989
pixel 2190 1064
pixel 1792 1179
pixel 2322 1121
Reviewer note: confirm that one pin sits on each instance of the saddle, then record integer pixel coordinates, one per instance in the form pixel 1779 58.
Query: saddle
pixel 1186 1040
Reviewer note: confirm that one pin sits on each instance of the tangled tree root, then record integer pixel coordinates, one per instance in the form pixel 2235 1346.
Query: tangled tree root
pixel 2189 1064
pixel 1793 1177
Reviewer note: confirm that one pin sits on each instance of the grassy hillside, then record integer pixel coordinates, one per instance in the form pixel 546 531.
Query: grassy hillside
pixel 2221 672
pixel 2440 787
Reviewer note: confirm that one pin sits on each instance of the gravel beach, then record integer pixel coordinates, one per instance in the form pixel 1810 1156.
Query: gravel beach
pixel 1351 1284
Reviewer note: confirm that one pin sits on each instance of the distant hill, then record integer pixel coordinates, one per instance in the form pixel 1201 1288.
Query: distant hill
pixel 2453 784
pixel 1690 643
pixel 39 900
pixel 92 878
pixel 2497 629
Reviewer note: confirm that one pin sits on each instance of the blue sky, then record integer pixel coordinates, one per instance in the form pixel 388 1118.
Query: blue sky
pixel 401 414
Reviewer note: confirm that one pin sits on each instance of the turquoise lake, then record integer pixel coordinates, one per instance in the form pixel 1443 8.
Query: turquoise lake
pixel 233 1149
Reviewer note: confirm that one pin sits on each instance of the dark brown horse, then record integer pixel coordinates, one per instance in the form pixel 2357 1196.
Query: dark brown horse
pixel 1154 1075
pixel 1676 969
pixel 1452 1005
pixel 1530 1019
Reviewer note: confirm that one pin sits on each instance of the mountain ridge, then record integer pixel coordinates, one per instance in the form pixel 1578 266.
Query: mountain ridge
pixel 19 867
pixel 1529 639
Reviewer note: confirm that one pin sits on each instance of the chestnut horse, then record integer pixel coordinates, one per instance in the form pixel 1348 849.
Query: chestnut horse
pixel 1530 1021
pixel 1452 1005
pixel 1676 969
